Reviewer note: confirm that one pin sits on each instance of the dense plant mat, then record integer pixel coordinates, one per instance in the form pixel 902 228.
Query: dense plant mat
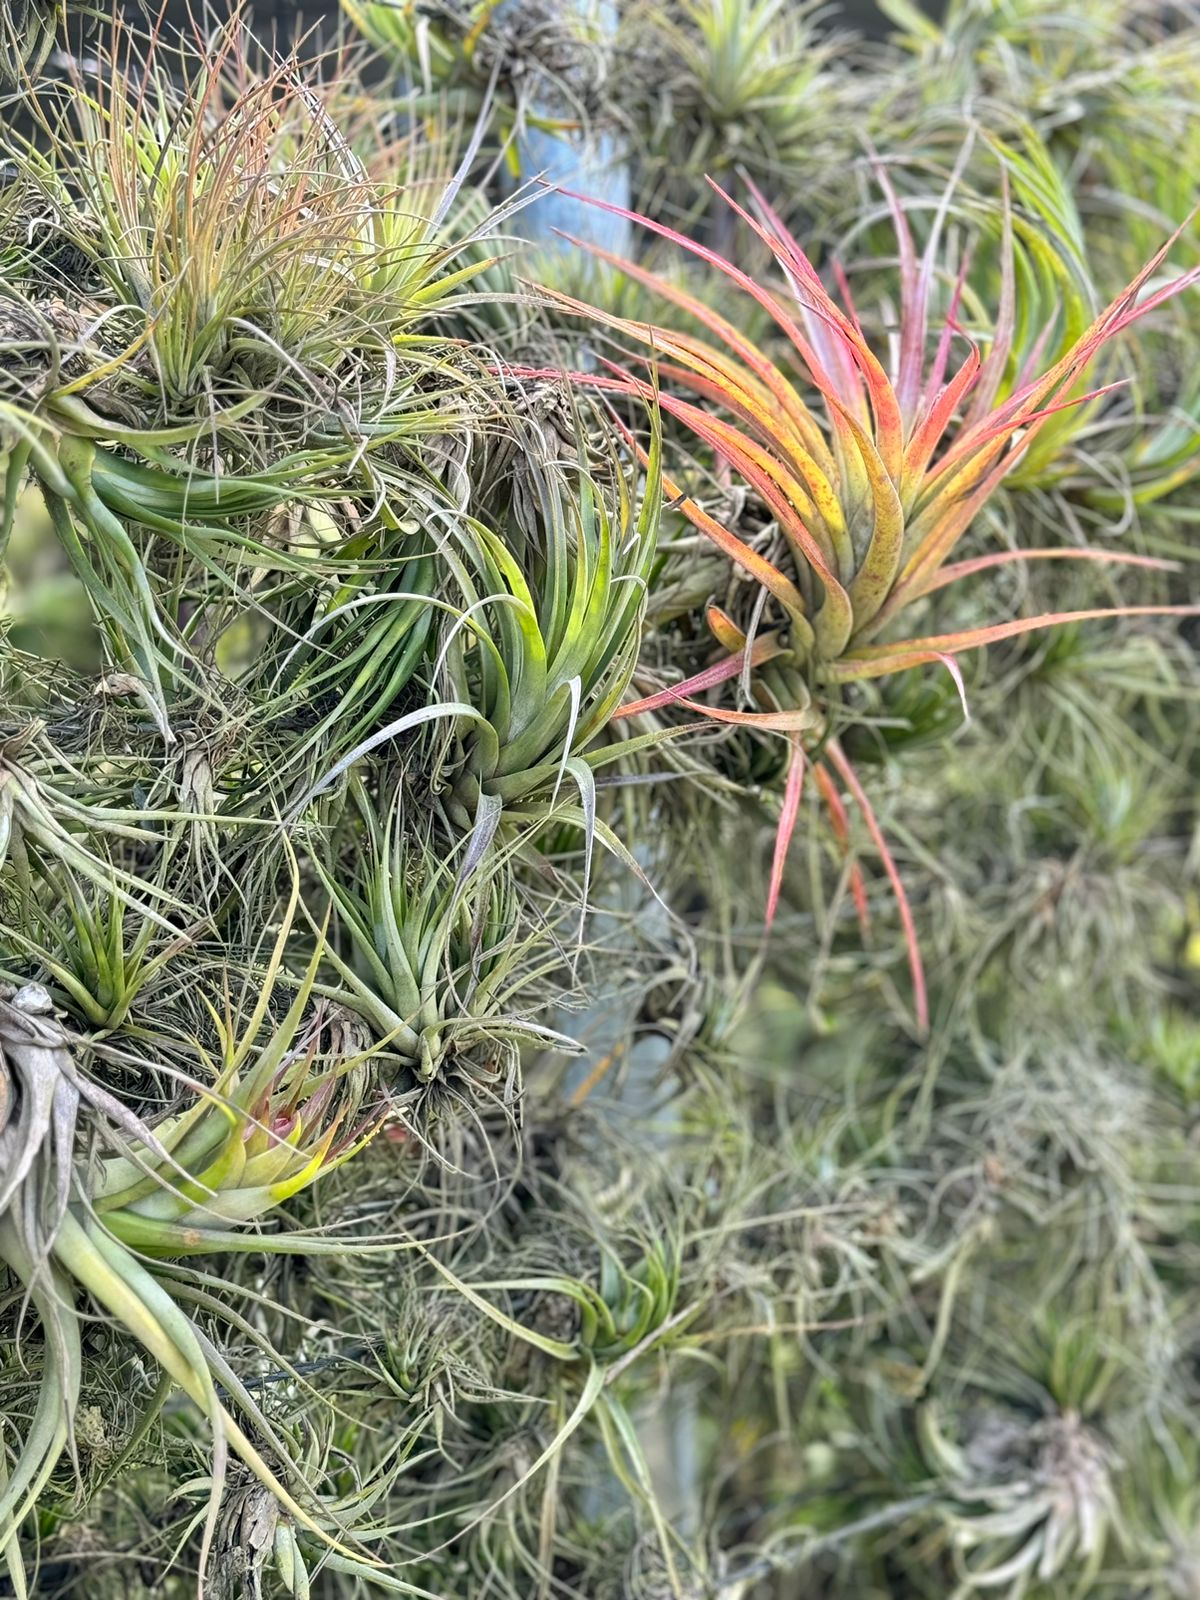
pixel 599 899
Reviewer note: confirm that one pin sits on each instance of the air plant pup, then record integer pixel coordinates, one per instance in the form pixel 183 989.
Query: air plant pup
pixel 872 488
pixel 432 953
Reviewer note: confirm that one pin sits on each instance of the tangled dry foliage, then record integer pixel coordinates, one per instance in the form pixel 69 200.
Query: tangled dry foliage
pixel 579 1018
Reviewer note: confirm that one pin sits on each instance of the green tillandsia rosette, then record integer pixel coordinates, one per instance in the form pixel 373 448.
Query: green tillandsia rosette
pixel 535 654
pixel 434 950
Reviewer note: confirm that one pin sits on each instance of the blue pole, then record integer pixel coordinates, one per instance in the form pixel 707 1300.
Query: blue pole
pixel 590 161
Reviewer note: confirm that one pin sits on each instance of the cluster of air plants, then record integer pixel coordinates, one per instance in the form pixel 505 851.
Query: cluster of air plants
pixel 599 921
pixel 668 94
pixel 1058 67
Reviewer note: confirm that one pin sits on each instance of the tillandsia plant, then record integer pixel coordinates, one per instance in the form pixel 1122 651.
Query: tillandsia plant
pixel 275 222
pixel 275 1115
pixel 324 1268
pixel 433 952
pixel 539 651
pixel 590 1298
pixel 1031 261
pixel 1116 63
pixel 28 31
pixel 1019 270
pixel 1153 415
pixel 1025 1480
pixel 87 944
pixel 187 402
pixel 733 84
pixel 560 602
pixel 870 495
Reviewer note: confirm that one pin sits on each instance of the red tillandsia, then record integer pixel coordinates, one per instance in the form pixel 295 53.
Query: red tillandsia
pixel 872 486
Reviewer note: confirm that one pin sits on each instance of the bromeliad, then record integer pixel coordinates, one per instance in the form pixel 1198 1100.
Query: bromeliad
pixel 430 950
pixel 537 658
pixel 871 472
pixel 280 1112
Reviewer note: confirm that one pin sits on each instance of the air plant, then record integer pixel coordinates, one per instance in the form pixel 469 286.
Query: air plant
pixel 1050 860
pixel 1068 69
pixel 432 952
pixel 537 65
pixel 1166 1039
pixel 559 605
pixel 1023 281
pixel 586 1329
pixel 83 946
pixel 384 633
pixel 1047 1508
pixel 1158 1499
pixel 42 817
pixel 1145 460
pixel 201 394
pixel 733 83
pixel 1028 1491
pixel 273 1118
pixel 870 502
pixel 258 1536
pixel 349 653
pixel 1145 179
pixel 539 650
pixel 282 269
